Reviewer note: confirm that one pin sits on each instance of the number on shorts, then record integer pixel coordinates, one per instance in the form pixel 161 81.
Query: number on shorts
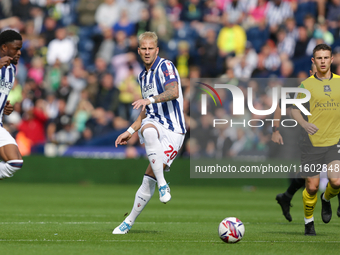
pixel 172 151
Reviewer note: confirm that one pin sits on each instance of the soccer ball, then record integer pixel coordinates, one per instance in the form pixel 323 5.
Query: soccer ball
pixel 231 230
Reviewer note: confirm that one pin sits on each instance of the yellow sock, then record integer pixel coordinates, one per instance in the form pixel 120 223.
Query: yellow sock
pixel 309 202
pixel 330 192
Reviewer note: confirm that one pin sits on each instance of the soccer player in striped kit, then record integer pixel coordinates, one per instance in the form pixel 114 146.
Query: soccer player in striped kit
pixel 10 46
pixel 160 124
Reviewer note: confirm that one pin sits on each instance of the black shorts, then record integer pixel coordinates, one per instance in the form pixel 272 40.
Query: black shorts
pixel 312 164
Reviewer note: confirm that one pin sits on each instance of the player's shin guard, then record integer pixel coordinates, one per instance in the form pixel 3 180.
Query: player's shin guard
pixel 330 192
pixel 143 196
pixel 309 202
pixel 7 169
pixel 154 151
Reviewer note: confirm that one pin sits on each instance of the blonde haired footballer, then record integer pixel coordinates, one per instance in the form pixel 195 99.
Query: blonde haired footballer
pixel 321 136
pixel 160 125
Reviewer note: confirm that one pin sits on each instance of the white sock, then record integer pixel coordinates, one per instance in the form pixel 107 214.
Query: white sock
pixel 309 220
pixel 154 151
pixel 143 196
pixel 7 169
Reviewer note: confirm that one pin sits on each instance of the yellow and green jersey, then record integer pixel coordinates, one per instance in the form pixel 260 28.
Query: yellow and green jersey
pixel 324 106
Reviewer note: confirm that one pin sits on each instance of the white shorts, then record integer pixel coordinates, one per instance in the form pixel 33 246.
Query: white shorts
pixel 6 138
pixel 171 141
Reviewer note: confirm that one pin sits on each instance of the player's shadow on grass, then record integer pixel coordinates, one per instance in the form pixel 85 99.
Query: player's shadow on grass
pixel 144 232
pixel 296 233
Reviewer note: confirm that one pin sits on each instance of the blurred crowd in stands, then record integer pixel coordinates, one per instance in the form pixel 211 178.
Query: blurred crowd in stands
pixel 76 78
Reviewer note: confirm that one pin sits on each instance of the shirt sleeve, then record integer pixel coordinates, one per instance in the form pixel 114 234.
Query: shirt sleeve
pixel 168 72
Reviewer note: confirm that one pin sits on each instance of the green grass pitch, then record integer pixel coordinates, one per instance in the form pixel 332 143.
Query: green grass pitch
pixel 78 219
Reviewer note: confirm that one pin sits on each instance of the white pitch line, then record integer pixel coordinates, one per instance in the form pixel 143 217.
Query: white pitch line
pixel 162 241
pixel 86 223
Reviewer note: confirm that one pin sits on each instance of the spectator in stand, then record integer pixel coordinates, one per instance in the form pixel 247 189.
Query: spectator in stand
pixel 101 68
pixel 192 11
pixel 53 76
pixel 124 24
pixel 107 14
pixel 278 11
pixel 144 24
pixel 285 44
pixel 173 10
pixel 242 70
pixel 309 23
pixel 322 33
pixel 61 48
pixel 68 135
pixel 209 55
pixel 33 123
pixel 333 13
pixel 251 56
pixel 121 45
pixel 36 92
pixel 56 124
pixel 235 11
pixel 291 28
pixel 161 25
pixel 36 71
pixel 107 46
pixel 48 29
pixel 231 39
pixel 129 93
pixel 257 13
pixel 133 8
pixel 183 59
pixel 121 64
pixel 99 124
pixel 86 10
pixel 92 88
pixel 304 45
pixel 51 108
pixel 108 95
pixel 77 81
pixel 64 90
pixel 23 10
pixel 212 14
pixel 83 112
pixel 5 9
pixel 272 59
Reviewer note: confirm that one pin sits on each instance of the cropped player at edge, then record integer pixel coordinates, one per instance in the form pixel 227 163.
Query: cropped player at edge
pixel 10 46
pixel 160 124
pixel 285 198
pixel 321 136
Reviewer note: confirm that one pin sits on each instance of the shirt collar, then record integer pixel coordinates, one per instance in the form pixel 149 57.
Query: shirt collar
pixel 316 77
pixel 153 67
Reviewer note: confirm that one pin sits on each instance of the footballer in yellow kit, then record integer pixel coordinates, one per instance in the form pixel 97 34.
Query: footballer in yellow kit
pixel 320 135
pixel 324 106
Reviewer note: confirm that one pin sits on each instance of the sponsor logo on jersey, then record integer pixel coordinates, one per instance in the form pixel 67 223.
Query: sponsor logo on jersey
pixel 5 84
pixel 327 88
pixel 147 87
pixel 167 73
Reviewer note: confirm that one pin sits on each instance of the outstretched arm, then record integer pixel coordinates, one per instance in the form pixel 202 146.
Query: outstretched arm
pixel 171 92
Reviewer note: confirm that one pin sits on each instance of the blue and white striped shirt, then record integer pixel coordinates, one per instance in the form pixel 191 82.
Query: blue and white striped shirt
pixel 6 83
pixel 277 14
pixel 170 113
